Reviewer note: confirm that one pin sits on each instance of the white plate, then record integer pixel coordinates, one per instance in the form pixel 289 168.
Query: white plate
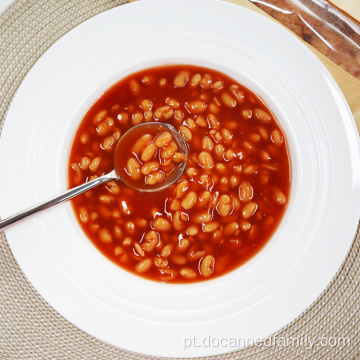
pixel 223 314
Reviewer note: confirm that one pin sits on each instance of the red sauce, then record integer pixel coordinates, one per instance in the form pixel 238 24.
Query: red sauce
pixel 229 200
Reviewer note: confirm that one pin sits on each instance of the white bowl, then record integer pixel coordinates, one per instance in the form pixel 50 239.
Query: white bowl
pixel 249 303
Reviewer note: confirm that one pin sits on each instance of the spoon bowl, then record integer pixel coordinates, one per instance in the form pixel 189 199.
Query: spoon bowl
pixel 153 128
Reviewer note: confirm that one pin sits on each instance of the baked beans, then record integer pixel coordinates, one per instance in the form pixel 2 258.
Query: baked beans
pixel 227 203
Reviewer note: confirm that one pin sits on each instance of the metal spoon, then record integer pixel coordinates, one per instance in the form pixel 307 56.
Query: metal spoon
pixel 113 175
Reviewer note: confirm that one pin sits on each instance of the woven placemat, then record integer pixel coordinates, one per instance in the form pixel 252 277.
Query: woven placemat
pixel 31 329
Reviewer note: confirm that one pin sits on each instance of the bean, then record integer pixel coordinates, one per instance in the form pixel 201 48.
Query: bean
pixel 194 255
pixel 175 204
pixel 262 115
pixel 279 197
pixel 276 137
pixel 179 157
pixel 84 138
pixel 84 215
pixel 250 169
pixel 118 234
pixel 84 163
pixel 263 132
pixel 264 155
pixel 246 191
pixel 196 107
pixel 146 104
pixel 228 100
pixel 136 118
pixel 230 155
pixel 168 151
pixel 189 200
pixel 161 263
pixel 207 265
pixel 178 222
pixel 231 228
pixel 143 266
pixel 181 188
pixel 95 163
pixel 213 121
pixel 201 121
pixel 150 241
pixel 108 143
pixel 221 168
pixel 123 118
pixel 192 230
pixel 140 144
pixel 195 80
pixel 205 160
pixel 201 217
pixel 148 80
pixel 105 126
pixel 203 199
pixel 185 132
pixel 211 226
pixel 167 250
pixel 178 115
pixel 150 166
pixel 234 181
pixel 269 167
pixel 206 182
pixel 191 124
pixel 179 259
pixel 154 177
pixel 112 187
pixel 127 241
pixel 167 274
pixel 254 138
pixel 188 273
pixel 134 87
pixel 163 139
pixel 218 85
pixel 206 81
pixel 130 227
pixel 218 137
pixel 214 108
pixel 245 225
pixel 124 207
pixel 207 144
pixel 162 82
pixel 249 210
pixel 139 250
pixel 161 224
pixel 106 199
pixel 100 116
pixel 192 172
pixel 183 245
pixel 105 235
pixel 239 94
pixel 173 103
pixel 118 251
pixel 182 78
pixel 219 151
pixel 224 206
pixel 248 146
pixel 149 152
pixel 227 136
pixel 164 112
pixel 246 114
pixel 133 168
pixel 148 115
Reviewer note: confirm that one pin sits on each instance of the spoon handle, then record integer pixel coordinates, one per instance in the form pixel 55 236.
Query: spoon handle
pixel 58 199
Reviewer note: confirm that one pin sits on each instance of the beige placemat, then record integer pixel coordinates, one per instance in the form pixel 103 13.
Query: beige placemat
pixel 31 329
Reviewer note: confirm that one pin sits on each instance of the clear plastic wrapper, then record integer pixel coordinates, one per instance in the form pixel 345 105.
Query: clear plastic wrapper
pixel 321 24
